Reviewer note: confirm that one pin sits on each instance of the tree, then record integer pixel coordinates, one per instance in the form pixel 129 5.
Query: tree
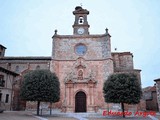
pixel 40 86
pixel 122 88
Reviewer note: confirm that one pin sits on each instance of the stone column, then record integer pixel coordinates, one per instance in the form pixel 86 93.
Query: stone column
pixel 91 96
pixel 69 97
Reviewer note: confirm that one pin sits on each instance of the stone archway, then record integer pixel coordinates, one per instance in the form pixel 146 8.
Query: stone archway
pixel 80 102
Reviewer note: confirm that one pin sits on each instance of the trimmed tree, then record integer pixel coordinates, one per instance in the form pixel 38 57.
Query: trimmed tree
pixel 40 86
pixel 122 88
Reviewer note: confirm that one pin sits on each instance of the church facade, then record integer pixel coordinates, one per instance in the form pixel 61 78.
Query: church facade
pixel 81 61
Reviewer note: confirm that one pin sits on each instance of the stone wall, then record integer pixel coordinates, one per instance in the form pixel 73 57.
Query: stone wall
pixel 151 104
pixel 122 61
pixel 98 47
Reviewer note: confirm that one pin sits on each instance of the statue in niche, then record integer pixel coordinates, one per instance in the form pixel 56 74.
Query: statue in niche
pixel 80 75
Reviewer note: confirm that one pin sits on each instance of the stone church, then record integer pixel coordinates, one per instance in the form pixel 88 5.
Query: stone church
pixel 82 62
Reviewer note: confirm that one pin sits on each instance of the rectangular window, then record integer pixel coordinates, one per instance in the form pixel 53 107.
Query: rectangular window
pixel 2 82
pixel 0 96
pixel 7 98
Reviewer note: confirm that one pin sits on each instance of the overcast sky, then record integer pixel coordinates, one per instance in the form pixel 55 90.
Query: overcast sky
pixel 26 28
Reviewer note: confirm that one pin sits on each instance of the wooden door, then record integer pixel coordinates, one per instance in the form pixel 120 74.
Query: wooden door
pixel 80 102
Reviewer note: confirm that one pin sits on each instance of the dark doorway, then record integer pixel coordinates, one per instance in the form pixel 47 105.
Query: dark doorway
pixel 80 102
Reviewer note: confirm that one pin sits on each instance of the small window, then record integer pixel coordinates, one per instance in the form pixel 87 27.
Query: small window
pixel 7 98
pixel 2 82
pixel 81 20
pixel 17 69
pixel 38 67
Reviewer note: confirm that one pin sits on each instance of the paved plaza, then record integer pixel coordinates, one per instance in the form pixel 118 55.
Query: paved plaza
pixel 17 115
pixel 28 115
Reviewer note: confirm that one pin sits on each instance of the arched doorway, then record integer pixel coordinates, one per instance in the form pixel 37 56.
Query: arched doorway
pixel 80 102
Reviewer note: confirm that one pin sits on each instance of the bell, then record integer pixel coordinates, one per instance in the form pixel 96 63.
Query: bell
pixel 81 21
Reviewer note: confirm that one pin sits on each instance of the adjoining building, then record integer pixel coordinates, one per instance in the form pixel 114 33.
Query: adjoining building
pixel 7 79
pixel 158 91
pixel 150 97
pixel 81 61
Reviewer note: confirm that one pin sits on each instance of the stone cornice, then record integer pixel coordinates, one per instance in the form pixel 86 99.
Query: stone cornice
pixel 121 53
pixel 25 58
pixel 128 70
pixel 85 59
pixel 80 36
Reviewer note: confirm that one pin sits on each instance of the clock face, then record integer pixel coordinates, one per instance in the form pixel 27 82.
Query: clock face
pixel 80 31
pixel 81 49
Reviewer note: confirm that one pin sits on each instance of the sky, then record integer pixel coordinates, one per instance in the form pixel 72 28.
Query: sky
pixel 26 28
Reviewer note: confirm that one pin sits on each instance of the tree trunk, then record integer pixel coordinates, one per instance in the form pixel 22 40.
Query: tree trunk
pixel 122 104
pixel 38 103
pixel 50 108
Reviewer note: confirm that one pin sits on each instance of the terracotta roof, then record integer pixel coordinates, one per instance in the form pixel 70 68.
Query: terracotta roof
pixel 149 89
pixel 146 88
pixel 8 71
pixel 152 89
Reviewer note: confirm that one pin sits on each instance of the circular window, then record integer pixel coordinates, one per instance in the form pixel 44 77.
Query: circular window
pixel 81 49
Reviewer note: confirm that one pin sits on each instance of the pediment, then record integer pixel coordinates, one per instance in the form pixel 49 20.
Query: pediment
pixel 69 81
pixel 92 81
pixel 80 66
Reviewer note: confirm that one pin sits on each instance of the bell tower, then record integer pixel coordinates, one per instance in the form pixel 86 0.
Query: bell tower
pixel 80 26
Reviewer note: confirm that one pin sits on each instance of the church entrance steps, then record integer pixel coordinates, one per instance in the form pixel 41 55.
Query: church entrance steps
pixel 90 116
